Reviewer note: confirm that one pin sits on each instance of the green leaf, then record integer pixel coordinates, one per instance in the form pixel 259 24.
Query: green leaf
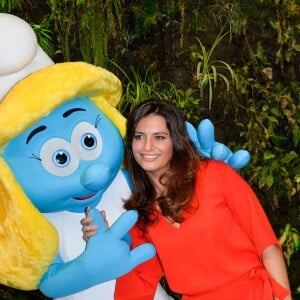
pixel 270 180
pixel 289 157
pixel 268 155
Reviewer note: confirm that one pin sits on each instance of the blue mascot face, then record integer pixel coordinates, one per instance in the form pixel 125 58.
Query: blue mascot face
pixel 68 159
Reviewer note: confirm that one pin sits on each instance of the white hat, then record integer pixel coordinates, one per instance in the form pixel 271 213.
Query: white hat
pixel 20 53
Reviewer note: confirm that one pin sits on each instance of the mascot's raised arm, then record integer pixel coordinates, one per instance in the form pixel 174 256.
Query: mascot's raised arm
pixel 61 150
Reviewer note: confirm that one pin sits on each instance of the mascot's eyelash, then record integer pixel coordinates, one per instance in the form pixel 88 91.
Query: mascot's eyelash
pixel 98 119
pixel 35 157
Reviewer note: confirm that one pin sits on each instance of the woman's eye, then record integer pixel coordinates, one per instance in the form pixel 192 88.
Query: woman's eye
pixel 137 136
pixel 160 137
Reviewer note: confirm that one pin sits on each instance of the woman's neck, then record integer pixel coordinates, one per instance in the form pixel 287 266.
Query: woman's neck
pixel 160 189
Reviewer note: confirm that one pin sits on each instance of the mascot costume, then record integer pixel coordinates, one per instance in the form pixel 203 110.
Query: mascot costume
pixel 61 150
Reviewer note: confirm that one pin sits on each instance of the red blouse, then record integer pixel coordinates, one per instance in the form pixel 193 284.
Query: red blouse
pixel 215 254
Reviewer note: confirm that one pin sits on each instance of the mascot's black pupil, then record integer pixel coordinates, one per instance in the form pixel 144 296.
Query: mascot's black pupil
pixel 61 158
pixel 89 141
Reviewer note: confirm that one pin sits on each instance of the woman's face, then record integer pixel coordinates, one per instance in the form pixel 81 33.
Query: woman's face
pixel 152 145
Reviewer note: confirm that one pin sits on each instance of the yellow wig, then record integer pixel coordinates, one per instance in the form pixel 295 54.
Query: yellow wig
pixel 28 242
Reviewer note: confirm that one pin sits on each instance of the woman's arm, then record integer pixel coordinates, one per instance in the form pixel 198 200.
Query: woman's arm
pixel 274 263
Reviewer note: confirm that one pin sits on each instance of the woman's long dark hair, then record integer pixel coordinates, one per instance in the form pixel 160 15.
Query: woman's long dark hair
pixel 180 178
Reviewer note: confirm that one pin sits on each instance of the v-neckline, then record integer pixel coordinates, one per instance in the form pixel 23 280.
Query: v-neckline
pixel 164 220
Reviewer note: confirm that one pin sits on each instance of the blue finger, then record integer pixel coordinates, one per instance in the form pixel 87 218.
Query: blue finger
pixel 124 223
pixel 220 152
pixel 239 159
pixel 98 219
pixel 206 135
pixel 192 132
pixel 141 254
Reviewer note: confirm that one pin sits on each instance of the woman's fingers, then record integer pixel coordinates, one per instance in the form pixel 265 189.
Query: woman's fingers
pixel 88 231
pixel 85 221
pixel 103 214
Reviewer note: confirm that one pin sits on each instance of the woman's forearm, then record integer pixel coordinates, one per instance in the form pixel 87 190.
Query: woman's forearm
pixel 274 263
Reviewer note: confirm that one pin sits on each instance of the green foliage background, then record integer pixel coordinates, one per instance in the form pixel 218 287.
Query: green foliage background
pixel 235 62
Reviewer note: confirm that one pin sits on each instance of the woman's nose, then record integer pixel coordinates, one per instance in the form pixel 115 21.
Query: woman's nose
pixel 148 144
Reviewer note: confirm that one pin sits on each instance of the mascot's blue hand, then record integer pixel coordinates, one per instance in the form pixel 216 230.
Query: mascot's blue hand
pixel 107 256
pixel 204 140
pixel 131 220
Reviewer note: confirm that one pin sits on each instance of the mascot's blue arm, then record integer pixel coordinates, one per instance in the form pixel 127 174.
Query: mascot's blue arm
pixel 204 139
pixel 107 256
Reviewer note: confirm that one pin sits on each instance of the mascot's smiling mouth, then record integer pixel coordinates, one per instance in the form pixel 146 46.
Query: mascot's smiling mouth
pixel 84 197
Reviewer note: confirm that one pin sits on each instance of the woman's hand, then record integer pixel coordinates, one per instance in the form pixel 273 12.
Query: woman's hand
pixel 91 230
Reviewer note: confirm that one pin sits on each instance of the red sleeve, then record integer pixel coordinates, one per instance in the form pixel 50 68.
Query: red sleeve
pixel 246 208
pixel 141 283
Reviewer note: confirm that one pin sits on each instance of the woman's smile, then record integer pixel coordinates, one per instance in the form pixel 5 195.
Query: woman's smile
pixel 149 157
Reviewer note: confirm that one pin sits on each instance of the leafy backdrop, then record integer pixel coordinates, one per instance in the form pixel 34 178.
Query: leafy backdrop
pixel 235 62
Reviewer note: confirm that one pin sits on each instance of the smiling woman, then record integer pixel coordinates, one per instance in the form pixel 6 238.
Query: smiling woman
pixel 157 129
pixel 182 198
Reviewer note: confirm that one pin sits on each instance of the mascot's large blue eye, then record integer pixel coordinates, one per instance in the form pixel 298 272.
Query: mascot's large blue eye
pixel 89 141
pixel 61 158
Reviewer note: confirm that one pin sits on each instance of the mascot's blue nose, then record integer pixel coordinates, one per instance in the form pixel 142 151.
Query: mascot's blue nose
pixel 97 177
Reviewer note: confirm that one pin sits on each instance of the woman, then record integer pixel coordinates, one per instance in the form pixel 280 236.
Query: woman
pixel 212 237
